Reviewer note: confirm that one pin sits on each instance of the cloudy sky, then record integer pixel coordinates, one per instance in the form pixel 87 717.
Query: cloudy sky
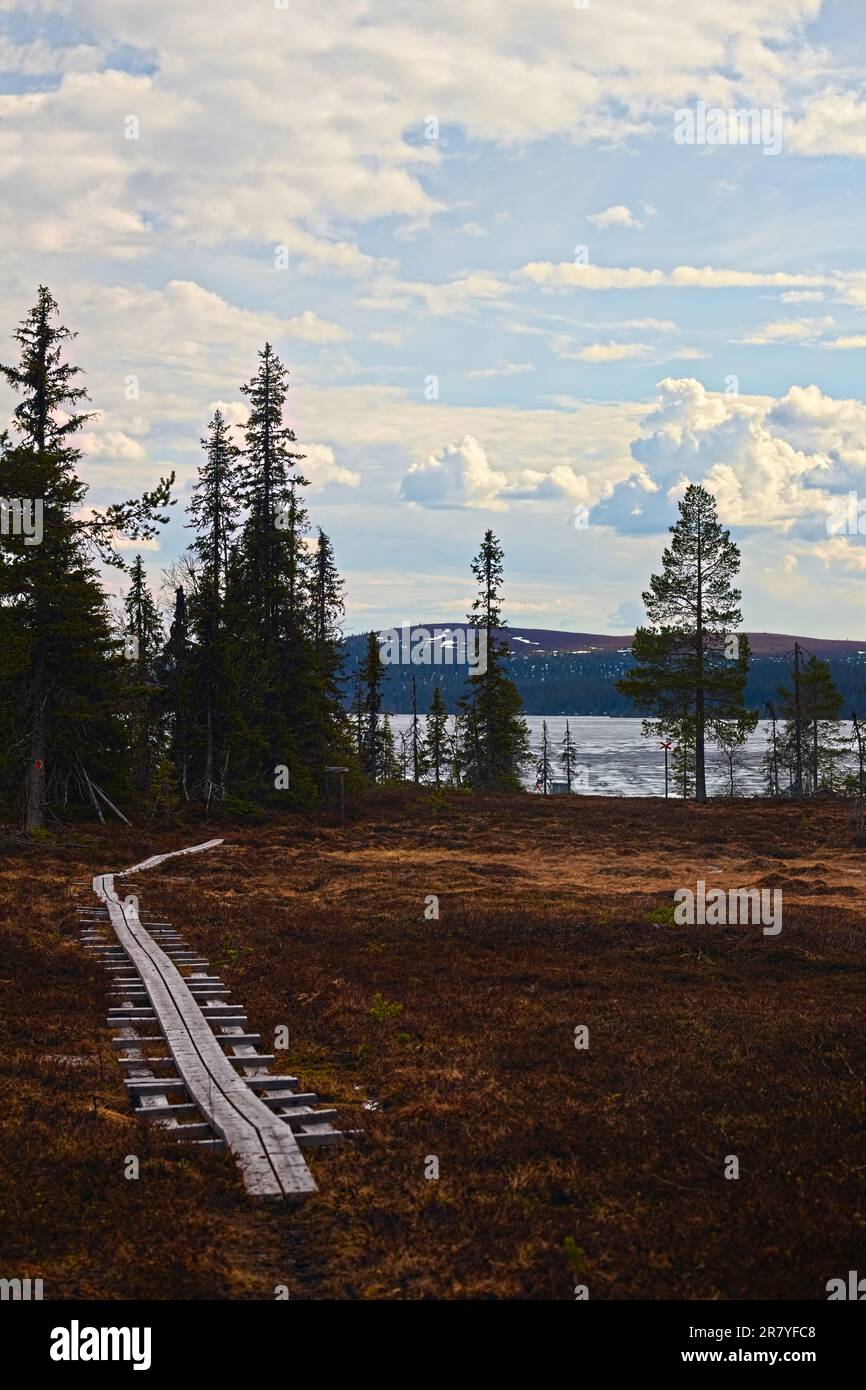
pixel 514 284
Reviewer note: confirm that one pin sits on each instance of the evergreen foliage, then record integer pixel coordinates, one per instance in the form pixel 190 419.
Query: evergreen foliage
pixel 687 669
pixel 568 756
pixel 250 675
pixel 436 743
pixel 809 744
pixel 495 737
pixel 62 680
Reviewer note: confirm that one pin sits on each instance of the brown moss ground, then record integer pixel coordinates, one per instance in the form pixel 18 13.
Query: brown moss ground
pixel 704 1042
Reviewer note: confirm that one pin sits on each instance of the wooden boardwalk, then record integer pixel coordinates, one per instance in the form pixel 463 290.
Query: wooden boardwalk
pixel 231 1098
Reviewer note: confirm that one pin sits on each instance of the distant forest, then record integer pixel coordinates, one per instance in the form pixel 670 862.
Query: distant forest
pixel 582 683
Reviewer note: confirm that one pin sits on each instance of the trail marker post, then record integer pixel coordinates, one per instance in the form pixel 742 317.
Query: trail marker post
pixel 338 774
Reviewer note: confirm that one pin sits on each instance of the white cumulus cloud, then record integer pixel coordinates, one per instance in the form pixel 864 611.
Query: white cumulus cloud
pixel 617 216
pixel 459 475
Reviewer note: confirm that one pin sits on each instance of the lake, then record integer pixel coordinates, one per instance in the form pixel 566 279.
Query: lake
pixel 619 761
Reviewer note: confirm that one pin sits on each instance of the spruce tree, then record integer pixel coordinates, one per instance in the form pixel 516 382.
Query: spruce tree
pixel 358 720
pixel 210 680
pixel 273 619
pixel 568 756
pixel 542 767
pixel 329 738
pixel 176 657
pixel 214 503
pixel 683 755
pixel 822 707
pixel 387 761
pixel 143 649
pixel 61 681
pixel 404 755
pixel 682 658
pixel 810 706
pixel 436 738
pixel 372 673
pixel 265 486
pixel 143 622
pixel 248 753
pixel 497 739
pixel 165 807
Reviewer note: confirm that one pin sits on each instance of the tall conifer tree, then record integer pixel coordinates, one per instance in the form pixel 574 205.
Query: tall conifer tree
pixel 682 660
pixel 372 675
pixel 210 688
pixel 496 737
pixel 436 749
pixel 274 628
pixel 60 683
pixel 330 739
pixel 810 743
pixel 568 756
pixel 175 677
pixel 144 643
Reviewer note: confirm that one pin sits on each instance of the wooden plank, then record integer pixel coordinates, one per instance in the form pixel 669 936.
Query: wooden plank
pixel 298 1097
pixel 316 1139
pixel 303 1115
pixel 153 1085
pixel 171 1112
pixel 200 1129
pixel 266 1082
pixel 151 1062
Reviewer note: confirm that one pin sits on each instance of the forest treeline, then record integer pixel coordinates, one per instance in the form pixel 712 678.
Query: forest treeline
pixel 584 683
pixel 240 698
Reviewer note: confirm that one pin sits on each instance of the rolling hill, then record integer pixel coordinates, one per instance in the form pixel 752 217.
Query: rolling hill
pixel 575 672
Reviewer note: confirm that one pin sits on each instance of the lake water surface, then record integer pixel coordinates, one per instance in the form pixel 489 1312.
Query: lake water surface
pixel 619 761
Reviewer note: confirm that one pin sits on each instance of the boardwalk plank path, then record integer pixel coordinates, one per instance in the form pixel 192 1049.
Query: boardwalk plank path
pixel 222 1088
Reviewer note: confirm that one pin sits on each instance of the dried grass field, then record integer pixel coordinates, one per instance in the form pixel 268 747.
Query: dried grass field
pixel 454 1039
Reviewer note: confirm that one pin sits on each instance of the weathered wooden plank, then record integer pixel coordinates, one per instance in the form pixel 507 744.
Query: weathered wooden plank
pixel 151 1062
pixel 150 1085
pixel 270 1083
pixel 297 1097
pixel 200 1129
pixel 171 1112
pixel 318 1139
pixel 304 1115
